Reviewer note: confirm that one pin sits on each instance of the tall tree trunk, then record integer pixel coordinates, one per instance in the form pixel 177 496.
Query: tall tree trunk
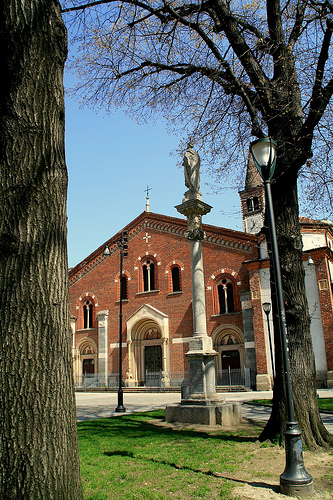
pixel 303 372
pixel 38 437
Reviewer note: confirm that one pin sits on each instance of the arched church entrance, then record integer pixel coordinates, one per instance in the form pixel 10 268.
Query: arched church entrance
pixel 85 363
pixel 228 341
pixel 147 354
pixel 148 348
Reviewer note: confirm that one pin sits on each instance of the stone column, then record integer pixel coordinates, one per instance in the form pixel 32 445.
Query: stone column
pixel 74 355
pixel 198 289
pixel 201 355
pixel 249 343
pixel 165 374
pixel 129 375
pixel 102 318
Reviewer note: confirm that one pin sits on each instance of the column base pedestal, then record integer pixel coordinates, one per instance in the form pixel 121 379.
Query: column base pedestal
pixel 201 404
pixel 217 413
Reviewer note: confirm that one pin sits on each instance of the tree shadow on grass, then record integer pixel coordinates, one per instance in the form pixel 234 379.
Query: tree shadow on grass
pixel 255 484
pixel 256 423
pixel 119 453
pixel 132 426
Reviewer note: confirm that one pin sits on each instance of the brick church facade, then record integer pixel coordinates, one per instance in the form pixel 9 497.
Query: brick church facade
pixel 156 301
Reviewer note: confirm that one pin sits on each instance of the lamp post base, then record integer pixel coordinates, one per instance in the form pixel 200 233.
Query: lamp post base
pixel 120 408
pixel 298 491
pixel 295 480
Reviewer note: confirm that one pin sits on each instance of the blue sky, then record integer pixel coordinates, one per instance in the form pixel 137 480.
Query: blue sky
pixel 110 161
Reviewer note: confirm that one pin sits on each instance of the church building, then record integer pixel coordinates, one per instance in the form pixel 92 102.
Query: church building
pixel 156 308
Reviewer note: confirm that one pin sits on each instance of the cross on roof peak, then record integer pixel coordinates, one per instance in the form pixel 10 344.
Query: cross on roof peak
pixel 147 198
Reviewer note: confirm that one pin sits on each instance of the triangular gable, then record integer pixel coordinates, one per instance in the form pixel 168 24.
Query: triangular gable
pixel 149 220
pixel 147 311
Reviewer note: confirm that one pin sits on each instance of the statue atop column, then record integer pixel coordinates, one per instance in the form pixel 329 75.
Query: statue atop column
pixel 191 164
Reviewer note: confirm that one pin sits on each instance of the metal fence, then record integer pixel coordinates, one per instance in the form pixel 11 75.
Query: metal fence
pixel 234 377
pixel 153 379
pixel 230 378
pixel 96 380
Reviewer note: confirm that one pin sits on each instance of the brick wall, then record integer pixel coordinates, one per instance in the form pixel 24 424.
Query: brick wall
pixel 98 278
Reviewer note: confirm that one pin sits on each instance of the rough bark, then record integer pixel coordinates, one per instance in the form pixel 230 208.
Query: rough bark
pixel 38 436
pixel 301 354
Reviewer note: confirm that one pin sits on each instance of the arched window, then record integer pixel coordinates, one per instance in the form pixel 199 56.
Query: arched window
pixel 88 314
pixel 148 270
pixel 175 274
pixel 124 288
pixel 225 291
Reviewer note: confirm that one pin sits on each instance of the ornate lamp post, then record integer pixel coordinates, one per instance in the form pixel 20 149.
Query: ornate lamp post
pixel 123 246
pixel 295 480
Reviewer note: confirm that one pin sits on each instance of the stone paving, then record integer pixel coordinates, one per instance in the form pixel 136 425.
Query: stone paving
pixel 90 405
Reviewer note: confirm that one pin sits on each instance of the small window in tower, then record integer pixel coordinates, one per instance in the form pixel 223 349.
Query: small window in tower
pixel 175 279
pixel 256 203
pixel 249 204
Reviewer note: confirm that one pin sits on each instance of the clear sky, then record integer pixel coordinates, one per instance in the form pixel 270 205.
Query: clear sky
pixel 110 161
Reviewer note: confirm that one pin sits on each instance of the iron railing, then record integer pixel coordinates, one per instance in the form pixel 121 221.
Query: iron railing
pixel 234 377
pixel 229 377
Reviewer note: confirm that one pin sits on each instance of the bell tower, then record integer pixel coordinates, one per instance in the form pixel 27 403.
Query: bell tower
pixel 252 200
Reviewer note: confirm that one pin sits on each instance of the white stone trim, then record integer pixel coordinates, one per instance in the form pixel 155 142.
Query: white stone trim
pixel 182 340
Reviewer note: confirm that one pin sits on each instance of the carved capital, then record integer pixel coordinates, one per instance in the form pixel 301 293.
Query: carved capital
pixel 196 234
pixel 194 210
pixel 193 207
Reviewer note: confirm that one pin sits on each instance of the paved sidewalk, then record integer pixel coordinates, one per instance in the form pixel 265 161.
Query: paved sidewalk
pixel 90 405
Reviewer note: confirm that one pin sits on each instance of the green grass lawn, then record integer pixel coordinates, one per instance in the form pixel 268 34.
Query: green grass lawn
pixel 128 457
pixel 323 403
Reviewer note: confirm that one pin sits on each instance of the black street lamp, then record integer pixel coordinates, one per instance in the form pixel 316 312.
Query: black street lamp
pixel 267 309
pixel 123 246
pixel 295 480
